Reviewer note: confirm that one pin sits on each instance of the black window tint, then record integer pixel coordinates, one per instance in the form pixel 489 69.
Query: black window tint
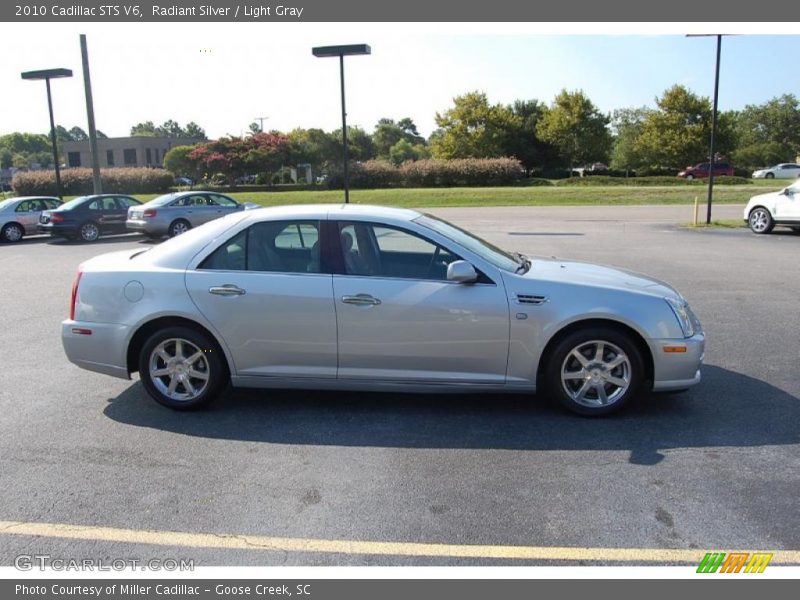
pixel 220 200
pixel 267 251
pixel 391 252
pixel 231 256
pixel 125 203
pixel 96 205
pixel 51 204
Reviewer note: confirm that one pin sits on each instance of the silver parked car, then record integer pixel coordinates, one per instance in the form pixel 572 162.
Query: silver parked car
pixel 20 216
pixel 173 214
pixel 371 298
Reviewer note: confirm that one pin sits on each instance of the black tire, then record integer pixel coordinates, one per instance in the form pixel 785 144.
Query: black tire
pixel 760 220
pixel 12 233
pixel 178 226
pixel 89 231
pixel 210 363
pixel 769 176
pixel 591 374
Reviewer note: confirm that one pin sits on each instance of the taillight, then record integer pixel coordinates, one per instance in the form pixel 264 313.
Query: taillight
pixel 149 212
pixel 56 218
pixel 74 298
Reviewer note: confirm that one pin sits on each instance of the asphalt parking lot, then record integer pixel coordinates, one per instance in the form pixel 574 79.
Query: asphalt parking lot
pixel 712 468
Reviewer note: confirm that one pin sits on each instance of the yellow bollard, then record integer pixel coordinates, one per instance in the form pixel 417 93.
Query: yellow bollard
pixel 695 211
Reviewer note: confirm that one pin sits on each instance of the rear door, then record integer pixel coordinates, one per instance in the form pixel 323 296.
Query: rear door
pixel 27 214
pixel 274 310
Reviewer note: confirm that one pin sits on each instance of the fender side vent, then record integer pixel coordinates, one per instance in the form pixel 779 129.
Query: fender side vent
pixel 531 299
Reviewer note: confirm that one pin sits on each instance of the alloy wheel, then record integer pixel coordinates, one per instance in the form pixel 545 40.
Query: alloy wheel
pixel 89 232
pixel 179 369
pixel 596 373
pixel 759 220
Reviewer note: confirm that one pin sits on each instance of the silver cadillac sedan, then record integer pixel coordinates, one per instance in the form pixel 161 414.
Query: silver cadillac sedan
pixel 372 298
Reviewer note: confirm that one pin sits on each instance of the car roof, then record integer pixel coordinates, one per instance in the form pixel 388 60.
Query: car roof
pixel 335 211
pixel 20 198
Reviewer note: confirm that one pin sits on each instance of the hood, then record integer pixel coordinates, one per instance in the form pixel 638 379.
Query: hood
pixel 758 198
pixel 582 273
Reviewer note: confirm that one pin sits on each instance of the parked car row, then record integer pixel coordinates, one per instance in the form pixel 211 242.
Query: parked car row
pixel 88 217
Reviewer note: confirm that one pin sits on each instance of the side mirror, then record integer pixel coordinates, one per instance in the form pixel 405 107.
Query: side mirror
pixel 786 192
pixel 461 271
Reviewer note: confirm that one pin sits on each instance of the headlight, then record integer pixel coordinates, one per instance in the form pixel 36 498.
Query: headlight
pixel 689 323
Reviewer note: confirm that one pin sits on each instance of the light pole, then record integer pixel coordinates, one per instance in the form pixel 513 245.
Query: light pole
pixel 261 120
pixel 47 75
pixel 712 149
pixel 341 52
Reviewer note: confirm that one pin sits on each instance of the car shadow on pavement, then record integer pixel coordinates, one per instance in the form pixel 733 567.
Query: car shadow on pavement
pixel 727 409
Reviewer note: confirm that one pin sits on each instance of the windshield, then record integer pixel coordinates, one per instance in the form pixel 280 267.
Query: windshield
pixel 162 200
pixel 490 253
pixel 72 203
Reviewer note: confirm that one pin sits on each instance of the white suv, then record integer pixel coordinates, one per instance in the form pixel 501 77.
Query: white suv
pixel 765 211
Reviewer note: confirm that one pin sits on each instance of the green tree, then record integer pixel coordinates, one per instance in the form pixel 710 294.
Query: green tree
pixel 387 133
pixel 404 151
pixel 473 128
pixel 359 143
pixel 147 129
pixel 626 124
pixel 314 147
pixel 678 132
pixel 575 126
pixel 521 139
pixel 768 133
pixel 169 128
pixel 177 162
pixel 77 134
pixel 193 130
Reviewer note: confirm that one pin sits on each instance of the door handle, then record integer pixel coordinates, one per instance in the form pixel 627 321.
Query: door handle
pixel 227 290
pixel 361 300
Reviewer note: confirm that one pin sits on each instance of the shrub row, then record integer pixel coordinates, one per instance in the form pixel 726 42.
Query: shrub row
pixel 599 180
pixel 76 182
pixel 431 173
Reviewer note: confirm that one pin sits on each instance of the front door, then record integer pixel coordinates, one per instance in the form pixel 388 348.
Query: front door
pixel 787 207
pixel 399 319
pixel 265 295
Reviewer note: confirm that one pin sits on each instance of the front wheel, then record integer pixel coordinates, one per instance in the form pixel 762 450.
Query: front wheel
pixel 760 221
pixel 689 177
pixel 595 372
pixel 12 233
pixel 769 176
pixel 181 368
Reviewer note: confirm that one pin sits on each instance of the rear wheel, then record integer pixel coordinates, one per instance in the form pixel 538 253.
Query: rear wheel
pixel 178 227
pixel 595 371
pixel 181 368
pixel 760 221
pixel 12 232
pixel 89 231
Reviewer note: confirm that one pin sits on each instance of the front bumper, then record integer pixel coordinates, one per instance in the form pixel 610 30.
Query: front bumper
pixel 98 347
pixel 677 370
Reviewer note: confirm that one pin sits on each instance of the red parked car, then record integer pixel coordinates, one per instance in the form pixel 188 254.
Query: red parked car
pixel 701 170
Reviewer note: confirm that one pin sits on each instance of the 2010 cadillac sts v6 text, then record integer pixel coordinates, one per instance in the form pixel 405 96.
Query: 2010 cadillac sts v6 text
pixel 371 298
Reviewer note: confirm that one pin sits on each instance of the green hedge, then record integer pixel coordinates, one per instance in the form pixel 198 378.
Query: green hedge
pixel 598 180
pixel 481 172
pixel 77 182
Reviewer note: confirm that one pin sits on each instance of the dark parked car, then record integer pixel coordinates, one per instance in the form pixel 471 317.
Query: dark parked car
pixel 702 170
pixel 88 217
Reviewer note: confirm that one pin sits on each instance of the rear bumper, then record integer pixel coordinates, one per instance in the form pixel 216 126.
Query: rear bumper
pixel 98 347
pixel 678 370
pixel 145 226
pixel 57 229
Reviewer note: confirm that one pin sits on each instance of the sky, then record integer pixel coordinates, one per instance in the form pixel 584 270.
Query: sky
pixel 223 76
